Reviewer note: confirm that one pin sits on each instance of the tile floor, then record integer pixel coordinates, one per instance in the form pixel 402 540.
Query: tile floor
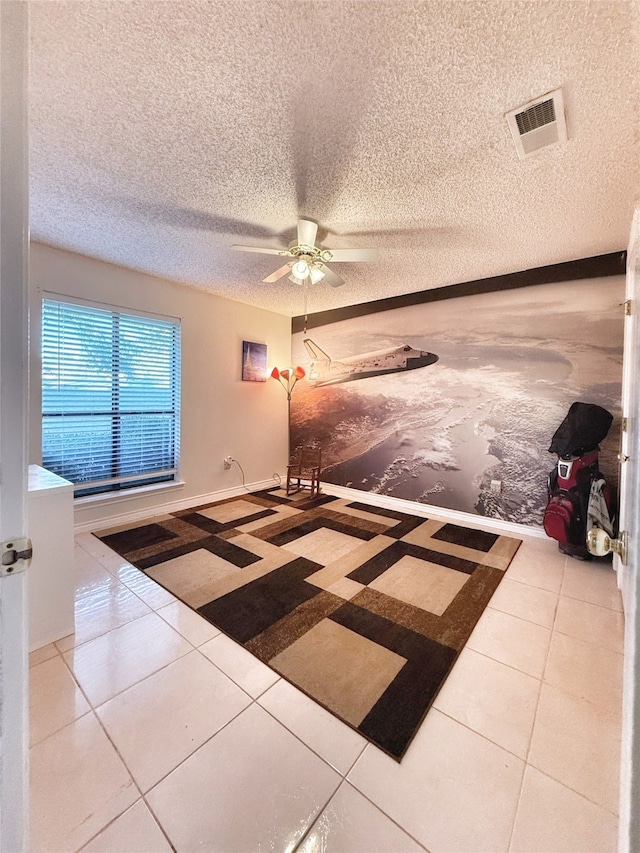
pixel 151 731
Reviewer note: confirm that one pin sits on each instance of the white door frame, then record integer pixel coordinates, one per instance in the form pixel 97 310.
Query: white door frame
pixel 14 241
pixel 629 573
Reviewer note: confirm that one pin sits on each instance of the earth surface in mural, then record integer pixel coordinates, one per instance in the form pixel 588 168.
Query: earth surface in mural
pixel 509 366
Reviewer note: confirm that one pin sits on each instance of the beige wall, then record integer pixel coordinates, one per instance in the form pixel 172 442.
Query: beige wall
pixel 221 415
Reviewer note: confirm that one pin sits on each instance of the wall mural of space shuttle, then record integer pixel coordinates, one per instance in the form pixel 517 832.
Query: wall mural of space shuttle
pixel 486 408
pixel 327 371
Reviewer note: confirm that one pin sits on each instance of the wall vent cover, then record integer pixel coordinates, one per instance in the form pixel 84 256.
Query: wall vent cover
pixel 538 124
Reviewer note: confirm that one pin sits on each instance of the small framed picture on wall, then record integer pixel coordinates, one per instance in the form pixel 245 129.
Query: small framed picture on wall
pixel 254 362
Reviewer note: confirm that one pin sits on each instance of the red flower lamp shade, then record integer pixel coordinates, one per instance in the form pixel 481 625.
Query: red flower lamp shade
pixel 288 377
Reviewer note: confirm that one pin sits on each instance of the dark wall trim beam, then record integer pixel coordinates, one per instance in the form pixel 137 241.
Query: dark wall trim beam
pixel 596 267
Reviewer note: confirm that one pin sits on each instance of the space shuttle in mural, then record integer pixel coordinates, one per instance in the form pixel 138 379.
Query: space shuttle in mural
pixel 327 371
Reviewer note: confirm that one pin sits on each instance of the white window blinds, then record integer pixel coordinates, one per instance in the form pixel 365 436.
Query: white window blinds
pixel 110 397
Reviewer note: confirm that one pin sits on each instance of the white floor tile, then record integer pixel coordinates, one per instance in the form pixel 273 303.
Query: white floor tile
pixel 87 540
pixel 42 654
pixel 153 595
pixel 551 817
pixel 193 627
pixel 578 743
pixel 594 582
pixel 78 786
pixel 101 608
pixel 117 660
pixel 89 572
pixel 599 625
pixel 94 546
pixel 491 698
pixel 180 707
pixel 240 665
pixel 453 790
pixel 512 641
pixel 135 831
pixel 538 563
pixel 587 671
pixel 54 699
pixel 252 787
pixel 526 602
pixel 324 733
pixel 112 561
pixel 351 823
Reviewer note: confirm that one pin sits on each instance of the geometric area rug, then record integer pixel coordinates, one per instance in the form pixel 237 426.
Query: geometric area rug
pixel 362 608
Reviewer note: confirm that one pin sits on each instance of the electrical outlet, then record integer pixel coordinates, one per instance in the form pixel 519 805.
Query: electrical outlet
pixel 227 461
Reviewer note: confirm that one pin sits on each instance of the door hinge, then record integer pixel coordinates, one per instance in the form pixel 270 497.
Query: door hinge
pixel 16 556
pixel 624 424
pixel 627 308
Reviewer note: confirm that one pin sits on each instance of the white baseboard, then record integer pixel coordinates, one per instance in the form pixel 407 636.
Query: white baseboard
pixel 493 525
pixel 118 519
pixel 478 522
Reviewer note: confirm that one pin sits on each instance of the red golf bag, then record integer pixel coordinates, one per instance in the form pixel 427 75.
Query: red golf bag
pixel 579 497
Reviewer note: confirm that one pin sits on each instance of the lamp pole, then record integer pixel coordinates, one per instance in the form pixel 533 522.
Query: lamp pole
pixel 288 378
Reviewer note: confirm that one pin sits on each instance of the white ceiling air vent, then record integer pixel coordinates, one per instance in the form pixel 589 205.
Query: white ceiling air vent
pixel 538 124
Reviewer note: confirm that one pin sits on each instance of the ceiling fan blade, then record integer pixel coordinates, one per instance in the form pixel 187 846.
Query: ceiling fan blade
pixel 261 250
pixel 354 254
pixel 329 276
pixel 278 274
pixel 307 231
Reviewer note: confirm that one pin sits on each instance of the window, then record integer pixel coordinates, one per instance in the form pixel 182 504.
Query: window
pixel 110 397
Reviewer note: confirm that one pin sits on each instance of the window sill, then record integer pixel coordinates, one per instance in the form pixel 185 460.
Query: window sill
pixel 119 497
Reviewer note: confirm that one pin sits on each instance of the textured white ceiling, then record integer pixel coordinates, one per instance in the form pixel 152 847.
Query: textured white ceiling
pixel 163 132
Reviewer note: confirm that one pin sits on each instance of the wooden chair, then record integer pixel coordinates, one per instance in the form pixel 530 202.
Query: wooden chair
pixel 306 466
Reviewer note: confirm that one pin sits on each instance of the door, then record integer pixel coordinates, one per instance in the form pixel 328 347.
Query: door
pixel 628 578
pixel 13 401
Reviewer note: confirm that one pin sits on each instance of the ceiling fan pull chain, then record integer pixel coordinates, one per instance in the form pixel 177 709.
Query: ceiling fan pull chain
pixel 305 310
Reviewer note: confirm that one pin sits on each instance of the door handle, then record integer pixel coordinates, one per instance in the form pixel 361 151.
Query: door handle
pixel 599 543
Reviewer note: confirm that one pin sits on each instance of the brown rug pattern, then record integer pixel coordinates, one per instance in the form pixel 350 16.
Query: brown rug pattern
pixel 362 608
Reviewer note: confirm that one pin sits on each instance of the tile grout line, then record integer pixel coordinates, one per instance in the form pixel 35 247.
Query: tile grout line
pixel 535 717
pixel 481 735
pixel 342 783
pixel 308 746
pixel 139 681
pixel 510 665
pixel 574 791
pixel 230 677
pixel 127 622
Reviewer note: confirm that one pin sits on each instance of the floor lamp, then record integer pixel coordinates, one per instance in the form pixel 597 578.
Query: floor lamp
pixel 288 378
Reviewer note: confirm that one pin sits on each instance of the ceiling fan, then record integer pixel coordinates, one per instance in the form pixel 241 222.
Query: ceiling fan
pixel 309 262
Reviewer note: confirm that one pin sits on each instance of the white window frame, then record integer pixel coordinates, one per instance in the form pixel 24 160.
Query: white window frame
pixel 171 474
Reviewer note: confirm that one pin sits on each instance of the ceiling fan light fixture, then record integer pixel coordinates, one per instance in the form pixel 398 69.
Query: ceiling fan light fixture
pixel 300 269
pixel 315 275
